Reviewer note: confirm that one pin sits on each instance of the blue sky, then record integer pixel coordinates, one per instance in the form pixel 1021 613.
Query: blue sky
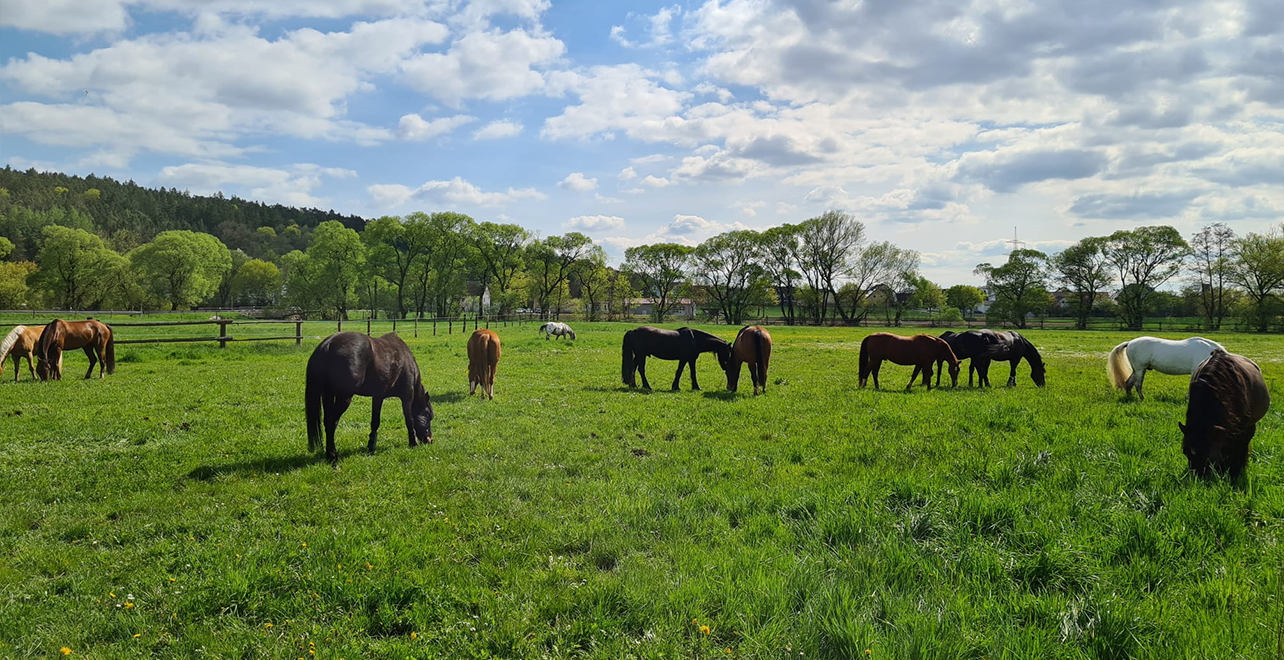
pixel 941 124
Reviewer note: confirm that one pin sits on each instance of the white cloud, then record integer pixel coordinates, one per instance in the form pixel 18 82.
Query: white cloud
pixel 627 174
pixel 660 34
pixel 454 191
pixel 491 65
pixel 655 182
pixel 599 197
pixel 578 182
pixel 414 127
pixel 64 16
pixel 498 129
pixel 594 223
pixel 624 97
pixel 617 35
pixel 291 186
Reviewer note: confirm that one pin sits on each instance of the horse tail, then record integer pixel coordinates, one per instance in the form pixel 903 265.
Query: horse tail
pixel 109 355
pixel 864 359
pixel 764 355
pixel 1118 368
pixel 312 403
pixel 627 367
pixel 7 345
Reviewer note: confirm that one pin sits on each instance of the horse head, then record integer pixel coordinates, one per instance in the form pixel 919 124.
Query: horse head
pixel 421 412
pixel 1204 448
pixel 947 354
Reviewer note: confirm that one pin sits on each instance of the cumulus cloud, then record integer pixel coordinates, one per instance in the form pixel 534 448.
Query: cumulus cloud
pixel 492 65
pixel 414 127
pixel 454 191
pixel 595 223
pixel 627 174
pixel 498 129
pixel 655 182
pixel 578 182
pixel 291 185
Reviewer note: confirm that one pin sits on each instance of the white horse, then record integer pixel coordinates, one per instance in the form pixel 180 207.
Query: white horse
pixel 1127 364
pixel 555 328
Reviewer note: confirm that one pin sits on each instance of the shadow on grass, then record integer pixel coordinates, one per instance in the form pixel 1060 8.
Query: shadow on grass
pixel 273 465
pixel 452 396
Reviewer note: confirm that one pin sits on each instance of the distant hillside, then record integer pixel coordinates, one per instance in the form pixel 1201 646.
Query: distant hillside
pixel 127 214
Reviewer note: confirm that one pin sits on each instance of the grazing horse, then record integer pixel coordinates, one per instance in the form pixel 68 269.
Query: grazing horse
pixel 20 343
pixel 968 346
pixel 1228 396
pixel 920 350
pixel 93 336
pixel 994 346
pixel 483 361
pixel 348 364
pixel 752 345
pixel 1128 362
pixel 684 345
pixel 556 328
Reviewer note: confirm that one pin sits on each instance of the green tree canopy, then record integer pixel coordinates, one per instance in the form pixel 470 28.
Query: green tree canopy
pixel 1018 286
pixel 182 267
pixel 1144 258
pixel 76 267
pixel 662 270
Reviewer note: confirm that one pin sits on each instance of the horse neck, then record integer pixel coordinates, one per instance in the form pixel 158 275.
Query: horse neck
pixel 1032 354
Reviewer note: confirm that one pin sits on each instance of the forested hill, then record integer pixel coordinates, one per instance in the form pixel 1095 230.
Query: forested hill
pixel 127 214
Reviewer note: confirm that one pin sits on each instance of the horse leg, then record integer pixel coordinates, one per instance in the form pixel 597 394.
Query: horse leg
pixel 878 364
pixel 642 372
pixel 334 408
pixel 1141 379
pixel 758 378
pixel 1012 375
pixel 410 423
pixel 376 407
pixel 89 353
pixel 695 386
pixel 490 381
pixel 927 376
pixel 913 377
pixel 677 378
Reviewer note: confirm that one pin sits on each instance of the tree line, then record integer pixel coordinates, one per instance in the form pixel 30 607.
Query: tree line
pixel 62 246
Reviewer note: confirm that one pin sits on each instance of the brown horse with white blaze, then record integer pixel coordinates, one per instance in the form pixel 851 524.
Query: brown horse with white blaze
pixel 20 343
pixel 922 351
pixel 483 361
pixel 752 346
pixel 93 336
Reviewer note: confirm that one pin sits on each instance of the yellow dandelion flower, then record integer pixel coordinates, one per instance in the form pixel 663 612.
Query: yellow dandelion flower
pixel 695 621
pixel 704 629
pixel 267 625
pixel 868 652
pixel 65 650
pixel 137 635
pixel 305 544
pixel 129 605
pixel 414 635
pixel 369 566
pixel 111 593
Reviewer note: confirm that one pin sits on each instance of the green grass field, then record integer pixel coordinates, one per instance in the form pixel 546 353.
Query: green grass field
pixel 172 510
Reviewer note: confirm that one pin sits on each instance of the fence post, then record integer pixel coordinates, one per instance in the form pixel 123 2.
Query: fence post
pixel 222 334
pixel 340 325
pixel 434 327
pixel 416 327
pixel 450 326
pixel 394 324
pixel 367 326
pixel 298 333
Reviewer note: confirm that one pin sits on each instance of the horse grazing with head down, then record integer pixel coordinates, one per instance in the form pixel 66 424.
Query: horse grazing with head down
pixel 1228 396
pixel 92 336
pixel 1128 362
pixel 483 361
pixel 20 343
pixel 920 350
pixel 986 346
pixel 753 346
pixel 684 345
pixel 558 329
pixel 349 364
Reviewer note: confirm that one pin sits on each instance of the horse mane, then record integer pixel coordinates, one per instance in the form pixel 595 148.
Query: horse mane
pixel 704 335
pixel 1211 395
pixel 52 334
pixel 9 341
pixel 1031 353
pixel 954 359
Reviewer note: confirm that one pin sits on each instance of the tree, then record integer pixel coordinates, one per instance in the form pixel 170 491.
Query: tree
pixel 619 295
pixel 227 284
pixel 1212 259
pixel 339 255
pixel 76 267
pixel 726 267
pixel 182 267
pixel 6 247
pixel 927 294
pixel 14 293
pixel 874 267
pixel 1259 271
pixel 257 281
pixel 777 247
pixel 964 298
pixel 303 285
pixel 1083 269
pixel 1144 258
pixel 551 263
pixel 595 280
pixel 662 269
pixel 827 243
pixel 499 251
pixel 1018 286
pixel 395 246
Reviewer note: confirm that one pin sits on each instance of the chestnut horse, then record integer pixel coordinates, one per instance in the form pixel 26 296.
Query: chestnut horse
pixel 20 343
pixel 1228 396
pixel 920 350
pixel 348 364
pixel 483 361
pixel 752 345
pixel 92 336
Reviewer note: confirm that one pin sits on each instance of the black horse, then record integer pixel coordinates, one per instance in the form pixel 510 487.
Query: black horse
pixel 985 346
pixel 350 364
pixel 1228 396
pixel 683 345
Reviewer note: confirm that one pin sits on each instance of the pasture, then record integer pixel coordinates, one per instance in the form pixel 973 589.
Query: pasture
pixel 172 510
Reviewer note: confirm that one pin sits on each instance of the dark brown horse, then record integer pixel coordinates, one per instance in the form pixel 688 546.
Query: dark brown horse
pixel 349 364
pixel 981 347
pixel 483 361
pixel 1228 396
pixel 752 346
pixel 93 336
pixel 684 345
pixel 920 350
